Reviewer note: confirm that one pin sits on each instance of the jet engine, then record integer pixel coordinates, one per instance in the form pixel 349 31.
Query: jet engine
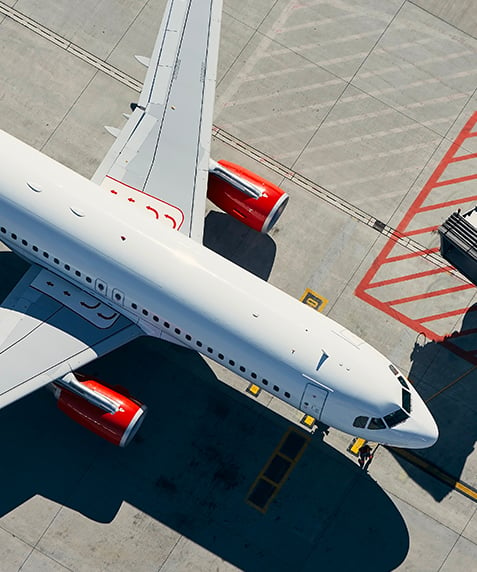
pixel 249 198
pixel 110 412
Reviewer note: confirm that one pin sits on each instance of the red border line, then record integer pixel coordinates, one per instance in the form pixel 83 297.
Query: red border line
pixel 429 294
pixel 400 231
pixel 409 277
pixel 411 255
pixel 457 180
pixel 441 316
pixel 447 204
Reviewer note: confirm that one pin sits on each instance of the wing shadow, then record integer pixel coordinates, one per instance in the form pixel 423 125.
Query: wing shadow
pixel 191 467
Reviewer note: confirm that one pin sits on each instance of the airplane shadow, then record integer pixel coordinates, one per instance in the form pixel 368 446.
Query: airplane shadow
pixel 244 246
pixel 444 373
pixel 191 467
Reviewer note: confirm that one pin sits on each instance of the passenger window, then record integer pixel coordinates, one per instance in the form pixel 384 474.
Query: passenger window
pixel 167 325
pixel 35 249
pixel 253 375
pixel 3 229
pixel 360 421
pixel 376 423
pixel 188 337
pixel 177 331
pixel 220 356
pixel 78 273
pixel 89 279
pixel 287 394
pixel 155 318
pixel 14 236
pixel 24 242
pixel 242 368
pixel 210 350
pixel 134 306
pixel 276 388
pixel 231 362
pixel 56 261
pixel 145 312
pixel 265 381
pixel 198 343
pixel 46 255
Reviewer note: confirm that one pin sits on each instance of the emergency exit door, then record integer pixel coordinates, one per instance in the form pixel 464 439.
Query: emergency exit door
pixel 313 400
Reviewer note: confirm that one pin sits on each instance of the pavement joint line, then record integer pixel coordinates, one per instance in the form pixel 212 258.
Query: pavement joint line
pixel 220 134
pixel 436 472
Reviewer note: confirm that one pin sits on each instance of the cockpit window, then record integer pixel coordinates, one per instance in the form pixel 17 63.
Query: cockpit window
pixel 406 400
pixel 396 417
pixel 360 421
pixel 376 423
pixel 403 382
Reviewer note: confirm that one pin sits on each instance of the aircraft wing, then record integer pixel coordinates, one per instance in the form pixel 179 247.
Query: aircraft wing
pixel 49 327
pixel 163 149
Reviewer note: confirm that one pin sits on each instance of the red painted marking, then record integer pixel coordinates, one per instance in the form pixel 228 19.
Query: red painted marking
pixel 429 294
pixel 173 220
pixel 131 200
pixel 88 306
pixel 153 210
pixel 464 157
pixel 420 230
pixel 114 192
pixel 178 225
pixel 448 204
pixel 368 290
pixel 411 255
pixel 409 277
pixel 442 315
pixel 457 180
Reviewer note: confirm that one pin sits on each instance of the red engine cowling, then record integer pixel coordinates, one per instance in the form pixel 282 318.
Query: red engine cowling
pixel 249 198
pixel 119 427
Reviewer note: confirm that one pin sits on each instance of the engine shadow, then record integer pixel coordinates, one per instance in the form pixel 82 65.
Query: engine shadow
pixel 191 467
pixel 244 246
pixel 445 373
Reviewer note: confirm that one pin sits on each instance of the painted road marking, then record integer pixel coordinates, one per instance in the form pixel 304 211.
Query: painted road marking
pixel 451 184
pixel 436 472
pixel 314 300
pixel 277 469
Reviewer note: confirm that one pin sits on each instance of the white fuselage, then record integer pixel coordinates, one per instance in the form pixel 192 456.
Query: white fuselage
pixel 110 245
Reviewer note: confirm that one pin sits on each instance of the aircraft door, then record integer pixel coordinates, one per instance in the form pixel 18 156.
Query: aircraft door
pixel 313 400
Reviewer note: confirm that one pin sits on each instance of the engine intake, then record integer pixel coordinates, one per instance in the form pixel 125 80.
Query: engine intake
pixel 246 196
pixel 118 423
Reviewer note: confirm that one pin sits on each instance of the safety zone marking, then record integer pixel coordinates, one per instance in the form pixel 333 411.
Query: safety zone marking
pixel 453 184
pixel 436 472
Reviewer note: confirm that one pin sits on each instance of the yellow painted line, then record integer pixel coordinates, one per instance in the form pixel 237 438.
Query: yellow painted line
pixel 436 472
pixel 356 445
pixel 314 300
pixel 265 482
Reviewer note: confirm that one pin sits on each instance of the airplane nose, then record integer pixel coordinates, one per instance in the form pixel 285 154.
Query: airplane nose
pixel 424 433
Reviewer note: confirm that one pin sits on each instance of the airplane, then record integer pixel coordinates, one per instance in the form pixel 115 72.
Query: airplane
pixel 121 256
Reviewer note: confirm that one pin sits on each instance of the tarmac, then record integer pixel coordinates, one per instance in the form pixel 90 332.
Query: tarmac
pixel 364 112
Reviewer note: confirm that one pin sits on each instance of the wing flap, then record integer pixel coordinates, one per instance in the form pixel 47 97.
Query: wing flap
pixel 41 339
pixel 164 148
